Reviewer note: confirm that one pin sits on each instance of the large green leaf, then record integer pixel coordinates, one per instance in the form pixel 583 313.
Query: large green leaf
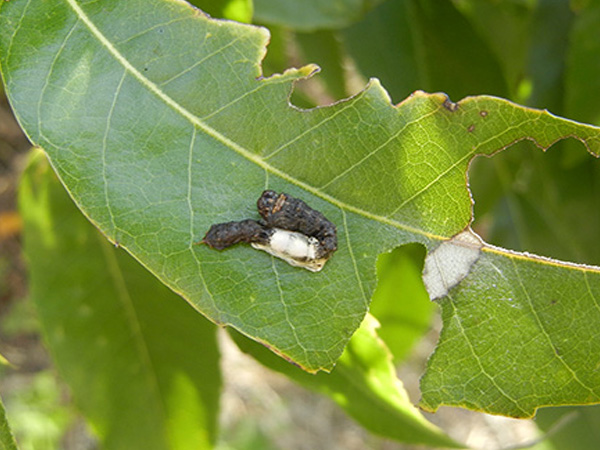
pixel 156 139
pixel 142 366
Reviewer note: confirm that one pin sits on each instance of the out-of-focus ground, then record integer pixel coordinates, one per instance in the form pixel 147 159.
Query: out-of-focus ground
pixel 260 409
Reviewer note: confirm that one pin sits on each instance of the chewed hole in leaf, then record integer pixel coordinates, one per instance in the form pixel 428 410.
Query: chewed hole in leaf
pixel 400 302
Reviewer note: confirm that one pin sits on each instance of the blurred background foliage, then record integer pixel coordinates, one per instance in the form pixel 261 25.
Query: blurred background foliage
pixel 540 53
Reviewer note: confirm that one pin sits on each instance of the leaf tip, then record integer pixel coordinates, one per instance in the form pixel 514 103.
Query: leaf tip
pixel 375 85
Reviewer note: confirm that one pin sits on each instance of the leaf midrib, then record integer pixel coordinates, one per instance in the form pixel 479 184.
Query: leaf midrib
pixel 123 297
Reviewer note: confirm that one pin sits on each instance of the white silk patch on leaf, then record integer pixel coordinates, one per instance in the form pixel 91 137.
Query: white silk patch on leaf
pixel 294 248
pixel 450 263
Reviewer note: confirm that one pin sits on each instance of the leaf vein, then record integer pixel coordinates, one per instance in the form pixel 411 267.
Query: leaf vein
pixel 238 99
pixel 478 359
pixel 199 62
pixel 285 309
pixel 547 336
pixel 353 259
pixel 393 137
pixel 589 288
pixel 49 75
pixel 299 136
pixel 17 29
pixel 124 297
pixel 149 29
pixel 451 167
pixel 104 148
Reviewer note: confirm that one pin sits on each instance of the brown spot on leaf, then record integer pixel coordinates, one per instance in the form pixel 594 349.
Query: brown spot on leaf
pixel 450 106
pixel 483 113
pixel 471 128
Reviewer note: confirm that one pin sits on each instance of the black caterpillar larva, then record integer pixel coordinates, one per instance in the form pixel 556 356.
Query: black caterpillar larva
pixel 289 229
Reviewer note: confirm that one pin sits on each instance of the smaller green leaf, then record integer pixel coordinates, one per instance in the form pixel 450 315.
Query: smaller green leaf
pixel 551 26
pixel 142 364
pixel 365 385
pixel 310 15
pixel 400 302
pixel 572 427
pixel 7 440
pixel 392 56
pixel 508 344
pixel 323 49
pixel 505 27
pixel 583 68
pixel 430 45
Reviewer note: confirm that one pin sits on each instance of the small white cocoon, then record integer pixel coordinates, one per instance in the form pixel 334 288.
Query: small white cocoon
pixel 294 248
pixel 448 264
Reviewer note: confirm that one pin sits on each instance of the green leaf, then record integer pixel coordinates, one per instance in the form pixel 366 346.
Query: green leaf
pixel 429 46
pixel 7 440
pixel 157 139
pixel 550 37
pixel 393 57
pixel 506 28
pixel 508 344
pixel 571 427
pixel 323 48
pixel 400 302
pixel 142 366
pixel 311 15
pixel 583 67
pixel 364 384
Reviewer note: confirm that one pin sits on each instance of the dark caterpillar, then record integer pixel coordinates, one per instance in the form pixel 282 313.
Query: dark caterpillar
pixel 289 213
pixel 289 229
pixel 223 235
